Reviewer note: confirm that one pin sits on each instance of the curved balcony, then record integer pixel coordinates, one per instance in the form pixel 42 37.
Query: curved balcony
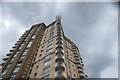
pixel 60 35
pixel 58 29
pixel 59 32
pixel 59 66
pixel 59 46
pixel 9 54
pixel 11 50
pixel 76 58
pixel 80 58
pixel 59 38
pixel 60 74
pixel 6 58
pixel 82 65
pixel 78 62
pixel 14 47
pixel 59 42
pixel 79 67
pixel 59 58
pixel 75 55
pixel 82 76
pixel 59 51
pixel 81 61
pixel 86 76
pixel 80 70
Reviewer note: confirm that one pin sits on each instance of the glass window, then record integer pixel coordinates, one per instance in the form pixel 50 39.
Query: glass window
pixel 41 51
pixel 47 63
pixel 50 50
pixel 48 56
pixel 37 67
pixel 33 36
pixel 49 46
pixel 35 74
pixel 45 77
pixel 46 70
pixel 50 41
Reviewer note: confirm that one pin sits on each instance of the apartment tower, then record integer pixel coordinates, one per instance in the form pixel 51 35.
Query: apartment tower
pixel 44 52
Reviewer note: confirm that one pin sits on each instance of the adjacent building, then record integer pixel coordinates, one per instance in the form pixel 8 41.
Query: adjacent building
pixel 44 52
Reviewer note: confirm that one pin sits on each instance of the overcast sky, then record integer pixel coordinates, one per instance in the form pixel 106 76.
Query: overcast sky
pixel 92 26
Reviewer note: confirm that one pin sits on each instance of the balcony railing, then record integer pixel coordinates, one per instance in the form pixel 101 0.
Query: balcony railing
pixel 11 50
pixel 79 66
pixel 60 74
pixel 9 54
pixel 75 55
pixel 59 46
pixel 59 38
pixel 5 58
pixel 80 70
pixel 59 66
pixel 59 57
pixel 59 51
pixel 82 76
pixel 76 58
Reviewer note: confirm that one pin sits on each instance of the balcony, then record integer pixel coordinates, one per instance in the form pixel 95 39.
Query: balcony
pixel 60 35
pixel 59 51
pixel 59 42
pixel 82 65
pixel 58 29
pixel 16 43
pixel 14 47
pixel 11 50
pixel 59 38
pixel 80 70
pixel 78 62
pixel 75 55
pixel 59 46
pixel 60 74
pixel 82 76
pixel 6 58
pixel 9 54
pixel 76 58
pixel 59 66
pixel 79 67
pixel 59 58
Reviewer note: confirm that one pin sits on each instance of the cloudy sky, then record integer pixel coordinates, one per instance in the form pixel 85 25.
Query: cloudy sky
pixel 92 26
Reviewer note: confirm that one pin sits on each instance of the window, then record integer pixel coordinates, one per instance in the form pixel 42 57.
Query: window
pixel 23 56
pixel 33 36
pixel 50 50
pixel 48 56
pixel 49 43
pixel 37 67
pixel 46 70
pixel 41 51
pixel 47 63
pixel 40 55
pixel 35 74
pixel 45 77
pixel 42 46
pixel 16 69
pixel 49 46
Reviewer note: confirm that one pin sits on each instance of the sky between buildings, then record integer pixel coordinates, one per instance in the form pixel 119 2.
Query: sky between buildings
pixel 93 26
